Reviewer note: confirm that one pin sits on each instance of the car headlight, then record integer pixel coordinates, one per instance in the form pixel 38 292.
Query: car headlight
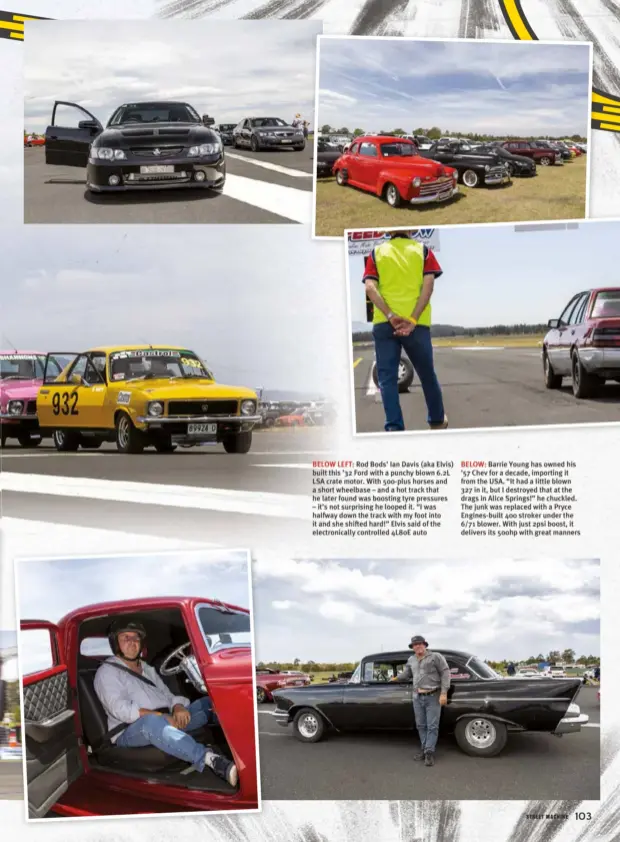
pixel 417 181
pixel 107 154
pixel 455 175
pixel 299 131
pixel 487 167
pixel 205 149
pixel 155 408
pixel 16 407
pixel 267 134
pixel 248 407
pixel 573 709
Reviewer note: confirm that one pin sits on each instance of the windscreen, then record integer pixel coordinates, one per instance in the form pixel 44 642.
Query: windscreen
pixel 155 112
pixel 152 363
pixel 267 122
pixel 22 366
pixel 224 628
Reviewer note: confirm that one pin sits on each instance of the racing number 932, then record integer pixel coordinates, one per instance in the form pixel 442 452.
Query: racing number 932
pixel 65 403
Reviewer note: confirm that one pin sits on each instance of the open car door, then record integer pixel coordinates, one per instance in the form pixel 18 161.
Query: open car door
pixel 69 144
pixel 52 751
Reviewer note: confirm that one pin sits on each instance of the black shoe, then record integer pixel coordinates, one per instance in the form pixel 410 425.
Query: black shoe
pixel 419 756
pixel 222 767
pixel 429 758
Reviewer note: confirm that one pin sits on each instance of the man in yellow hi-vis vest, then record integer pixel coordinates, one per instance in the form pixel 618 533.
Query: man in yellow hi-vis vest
pixel 399 278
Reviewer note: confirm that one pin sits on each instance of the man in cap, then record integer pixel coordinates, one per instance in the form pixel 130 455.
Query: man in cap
pixel 430 675
pixel 133 695
pixel 399 278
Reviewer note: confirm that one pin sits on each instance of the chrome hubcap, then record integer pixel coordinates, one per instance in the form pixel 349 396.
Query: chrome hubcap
pixel 391 195
pixel 308 725
pixel 480 733
pixel 60 437
pixel 469 179
pixel 123 432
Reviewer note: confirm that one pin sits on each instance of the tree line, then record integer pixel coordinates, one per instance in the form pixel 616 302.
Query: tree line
pixel 434 133
pixel 457 330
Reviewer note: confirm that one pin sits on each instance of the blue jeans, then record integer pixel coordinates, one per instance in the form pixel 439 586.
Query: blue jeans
pixel 418 347
pixel 154 730
pixel 427 710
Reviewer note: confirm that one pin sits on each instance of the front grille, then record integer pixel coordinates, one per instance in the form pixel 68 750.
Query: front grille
pixel 496 171
pixel 284 134
pixel 31 407
pixel 163 151
pixel 441 185
pixel 140 132
pixel 214 407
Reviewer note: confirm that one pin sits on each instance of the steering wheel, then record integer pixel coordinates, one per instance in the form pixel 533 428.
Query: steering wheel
pixel 181 652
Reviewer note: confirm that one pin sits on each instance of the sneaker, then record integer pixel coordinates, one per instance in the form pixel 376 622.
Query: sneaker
pixel 419 756
pixel 429 758
pixel 441 426
pixel 222 767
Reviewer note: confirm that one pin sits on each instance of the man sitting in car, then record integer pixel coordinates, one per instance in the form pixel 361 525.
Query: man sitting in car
pixel 142 711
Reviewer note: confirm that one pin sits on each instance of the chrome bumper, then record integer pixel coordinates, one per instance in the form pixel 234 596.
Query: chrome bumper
pixel 600 359
pixel 198 419
pixel 497 178
pixel 24 417
pixel 282 717
pixel 434 197
pixel 572 724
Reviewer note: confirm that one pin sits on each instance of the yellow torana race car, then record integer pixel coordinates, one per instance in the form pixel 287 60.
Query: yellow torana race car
pixel 141 396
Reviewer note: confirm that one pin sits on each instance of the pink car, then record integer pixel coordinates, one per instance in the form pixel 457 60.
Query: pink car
pixel 21 375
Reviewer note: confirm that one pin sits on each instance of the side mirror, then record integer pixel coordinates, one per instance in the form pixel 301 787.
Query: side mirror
pixel 553 323
pixel 88 124
pixel 208 121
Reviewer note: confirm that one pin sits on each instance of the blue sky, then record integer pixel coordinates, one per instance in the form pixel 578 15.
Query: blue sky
pixel 49 589
pixel 494 274
pixel 509 88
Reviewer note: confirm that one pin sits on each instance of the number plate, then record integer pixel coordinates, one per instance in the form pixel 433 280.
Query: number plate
pixel 157 168
pixel 201 429
pixel 286 141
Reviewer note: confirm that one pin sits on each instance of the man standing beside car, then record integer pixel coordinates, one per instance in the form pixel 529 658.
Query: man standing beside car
pixel 430 676
pixel 399 278
pixel 142 711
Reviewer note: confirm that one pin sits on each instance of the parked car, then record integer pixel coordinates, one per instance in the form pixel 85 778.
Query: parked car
pixel 392 169
pixel 200 647
pixel 562 149
pixel 33 140
pixel 515 164
pixel 544 157
pixel 475 168
pixel 326 156
pixel 295 420
pixel 21 375
pixel 557 672
pixel 483 707
pixel 545 145
pixel 584 342
pixel 142 396
pixel 422 141
pixel 528 673
pixel 257 133
pixel 225 131
pixel 269 680
pixel 144 145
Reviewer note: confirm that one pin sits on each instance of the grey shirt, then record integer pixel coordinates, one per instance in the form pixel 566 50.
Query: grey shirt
pixel 122 695
pixel 427 673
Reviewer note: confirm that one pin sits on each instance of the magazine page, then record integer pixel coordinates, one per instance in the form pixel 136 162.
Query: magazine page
pixel 309 387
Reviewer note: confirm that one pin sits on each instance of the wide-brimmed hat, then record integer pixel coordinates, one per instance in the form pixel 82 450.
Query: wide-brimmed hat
pixel 417 639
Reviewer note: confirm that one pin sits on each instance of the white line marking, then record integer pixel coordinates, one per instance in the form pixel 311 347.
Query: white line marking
pixel 157 494
pixel 371 388
pixel 288 202
pixel 592 725
pixel 472 347
pixel 299 465
pixel 269 166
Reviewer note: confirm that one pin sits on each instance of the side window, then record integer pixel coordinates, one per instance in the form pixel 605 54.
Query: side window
pixel 458 672
pixel 94 647
pixel 37 651
pixel 99 365
pixel 84 369
pixel 354 149
pixel 68 116
pixel 576 317
pixel 380 672
pixel 369 150
pixel 565 317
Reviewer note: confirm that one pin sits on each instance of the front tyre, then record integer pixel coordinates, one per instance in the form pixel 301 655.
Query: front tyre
pixel 544 161
pixel 128 438
pixel 481 737
pixel 237 442
pixel 392 196
pixel 308 726
pixel 261 696
pixel 470 178
pixel 341 177
pixel 552 380
pixel 254 144
pixel 29 440
pixel 66 441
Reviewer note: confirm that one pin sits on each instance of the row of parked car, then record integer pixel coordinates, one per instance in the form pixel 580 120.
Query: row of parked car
pixel 413 169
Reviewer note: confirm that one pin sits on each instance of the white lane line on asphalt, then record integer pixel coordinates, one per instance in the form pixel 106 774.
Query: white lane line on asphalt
pixel 288 202
pixel 269 166
pixel 472 347
pixel 42 455
pixel 262 503
pixel 592 725
pixel 371 388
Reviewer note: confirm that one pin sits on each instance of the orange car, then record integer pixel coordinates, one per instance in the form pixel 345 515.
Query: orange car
pixel 291 421
pixel 33 140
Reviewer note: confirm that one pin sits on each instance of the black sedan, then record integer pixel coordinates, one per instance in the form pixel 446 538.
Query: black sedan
pixel 144 145
pixel 258 133
pixel 483 707
pixel 474 168
pixel 225 131
pixel 326 155
pixel 516 164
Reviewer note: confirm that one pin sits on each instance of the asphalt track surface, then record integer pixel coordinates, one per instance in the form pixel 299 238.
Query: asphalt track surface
pixel 484 387
pixel 261 187
pixel 201 494
pixel 380 766
pixel 11 781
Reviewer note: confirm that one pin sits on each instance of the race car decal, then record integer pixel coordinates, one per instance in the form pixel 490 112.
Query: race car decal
pixel 12 24
pixel 18 356
pixel 144 352
pixel 123 398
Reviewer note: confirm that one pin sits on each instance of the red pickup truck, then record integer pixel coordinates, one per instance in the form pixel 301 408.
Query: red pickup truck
pixel 544 157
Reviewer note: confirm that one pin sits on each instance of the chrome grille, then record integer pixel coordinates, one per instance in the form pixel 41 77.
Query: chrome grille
pixel 137 178
pixel 214 407
pixel 440 185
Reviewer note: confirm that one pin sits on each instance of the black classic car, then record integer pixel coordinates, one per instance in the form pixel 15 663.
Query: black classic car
pixel 144 145
pixel 225 131
pixel 258 133
pixel 326 154
pixel 483 707
pixel 516 164
pixel 474 168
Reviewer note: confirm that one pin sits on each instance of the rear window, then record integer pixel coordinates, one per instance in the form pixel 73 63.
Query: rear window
pixel 606 303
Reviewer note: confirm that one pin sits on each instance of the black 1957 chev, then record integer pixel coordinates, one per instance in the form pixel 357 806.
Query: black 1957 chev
pixel 483 707
pixel 474 168
pixel 149 145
